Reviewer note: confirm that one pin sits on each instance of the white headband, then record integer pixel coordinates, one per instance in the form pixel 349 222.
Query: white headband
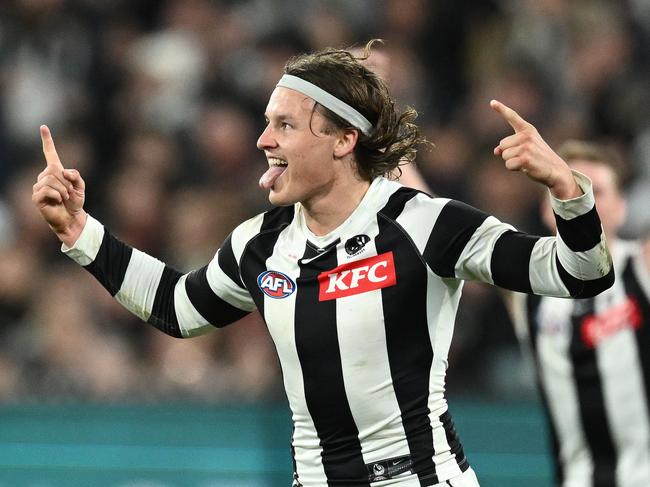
pixel 329 101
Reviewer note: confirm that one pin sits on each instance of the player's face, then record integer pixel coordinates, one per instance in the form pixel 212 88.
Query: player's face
pixel 293 139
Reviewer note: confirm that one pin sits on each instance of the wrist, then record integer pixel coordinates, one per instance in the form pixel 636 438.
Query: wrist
pixel 71 233
pixel 566 189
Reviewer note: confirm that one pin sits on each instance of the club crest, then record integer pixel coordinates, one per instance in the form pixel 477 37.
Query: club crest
pixel 355 244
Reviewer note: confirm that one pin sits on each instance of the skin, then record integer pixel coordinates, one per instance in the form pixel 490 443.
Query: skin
pixel 321 172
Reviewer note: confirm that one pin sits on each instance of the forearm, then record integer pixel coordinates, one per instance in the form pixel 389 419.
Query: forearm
pixel 582 255
pixel 181 305
pixel 141 283
pixel 575 263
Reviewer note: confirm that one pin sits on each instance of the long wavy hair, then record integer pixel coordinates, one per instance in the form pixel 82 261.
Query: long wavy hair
pixel 395 137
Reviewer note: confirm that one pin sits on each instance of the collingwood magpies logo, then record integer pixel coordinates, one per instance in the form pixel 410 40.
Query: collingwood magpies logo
pixel 355 244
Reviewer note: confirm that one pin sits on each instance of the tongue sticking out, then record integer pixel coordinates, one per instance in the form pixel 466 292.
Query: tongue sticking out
pixel 269 177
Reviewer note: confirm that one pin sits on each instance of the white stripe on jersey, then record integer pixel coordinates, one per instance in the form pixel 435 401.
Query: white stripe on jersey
pixel 570 209
pixel 242 234
pixel 580 264
pixel 476 258
pixel 562 395
pixel 369 388
pixel 279 315
pixel 226 288
pixel 442 301
pixel 140 284
pixel 88 244
pixel 189 319
pixel 418 228
pixel 544 276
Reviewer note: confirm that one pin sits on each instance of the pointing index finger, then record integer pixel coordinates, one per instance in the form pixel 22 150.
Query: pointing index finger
pixel 51 156
pixel 512 117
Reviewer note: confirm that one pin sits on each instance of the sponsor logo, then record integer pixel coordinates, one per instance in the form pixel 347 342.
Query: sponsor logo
pixel 357 277
pixel 596 328
pixel 355 244
pixel 276 284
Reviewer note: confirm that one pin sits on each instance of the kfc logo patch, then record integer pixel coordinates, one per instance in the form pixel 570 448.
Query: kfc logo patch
pixel 596 328
pixel 276 284
pixel 357 277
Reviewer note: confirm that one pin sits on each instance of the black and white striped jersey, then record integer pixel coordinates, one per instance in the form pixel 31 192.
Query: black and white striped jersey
pixel 593 366
pixel 361 318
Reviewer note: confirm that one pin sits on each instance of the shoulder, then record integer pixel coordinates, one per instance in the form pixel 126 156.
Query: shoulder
pixel 273 219
pixel 408 200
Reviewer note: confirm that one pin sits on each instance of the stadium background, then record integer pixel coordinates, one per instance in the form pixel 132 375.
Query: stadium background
pixel 159 104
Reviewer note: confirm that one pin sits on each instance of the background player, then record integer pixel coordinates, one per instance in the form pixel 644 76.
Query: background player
pixel 593 355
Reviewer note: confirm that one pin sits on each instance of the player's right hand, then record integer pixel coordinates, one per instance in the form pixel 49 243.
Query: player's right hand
pixel 59 194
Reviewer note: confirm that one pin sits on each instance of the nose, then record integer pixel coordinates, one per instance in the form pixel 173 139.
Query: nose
pixel 266 140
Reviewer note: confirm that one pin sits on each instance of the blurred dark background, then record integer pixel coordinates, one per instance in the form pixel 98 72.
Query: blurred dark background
pixel 159 105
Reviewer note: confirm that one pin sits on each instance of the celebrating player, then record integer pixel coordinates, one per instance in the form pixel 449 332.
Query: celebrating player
pixel 357 277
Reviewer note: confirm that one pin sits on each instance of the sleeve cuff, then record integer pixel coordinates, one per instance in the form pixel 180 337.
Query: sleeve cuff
pixel 87 246
pixel 574 207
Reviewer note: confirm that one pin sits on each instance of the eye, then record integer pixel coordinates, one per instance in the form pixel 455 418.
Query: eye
pixel 285 125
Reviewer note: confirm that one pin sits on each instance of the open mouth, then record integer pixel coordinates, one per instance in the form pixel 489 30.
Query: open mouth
pixel 276 167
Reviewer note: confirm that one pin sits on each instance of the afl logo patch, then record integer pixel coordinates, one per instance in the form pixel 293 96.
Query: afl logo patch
pixel 355 244
pixel 275 284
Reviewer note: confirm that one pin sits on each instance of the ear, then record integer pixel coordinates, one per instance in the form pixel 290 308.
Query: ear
pixel 345 142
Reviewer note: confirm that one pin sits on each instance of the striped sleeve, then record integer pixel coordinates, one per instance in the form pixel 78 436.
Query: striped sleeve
pixel 181 305
pixel 466 243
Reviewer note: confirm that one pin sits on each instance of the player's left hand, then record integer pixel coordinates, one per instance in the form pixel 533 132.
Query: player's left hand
pixel 528 152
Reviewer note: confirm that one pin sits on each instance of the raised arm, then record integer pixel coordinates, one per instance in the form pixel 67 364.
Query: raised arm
pixel 181 305
pixel 469 244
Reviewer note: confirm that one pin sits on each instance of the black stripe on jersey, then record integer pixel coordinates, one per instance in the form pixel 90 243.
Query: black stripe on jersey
pixel 405 322
pixel 111 262
pixel 584 289
pixel 510 265
pixel 317 344
pixel 532 307
pixel 277 218
pixel 260 248
pixel 591 399
pixel 214 309
pixel 163 312
pixel 454 442
pixel 228 263
pixel 396 202
pixel 634 290
pixel 581 233
pixel 454 227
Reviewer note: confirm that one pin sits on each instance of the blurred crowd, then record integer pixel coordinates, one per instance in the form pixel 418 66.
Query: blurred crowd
pixel 159 105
